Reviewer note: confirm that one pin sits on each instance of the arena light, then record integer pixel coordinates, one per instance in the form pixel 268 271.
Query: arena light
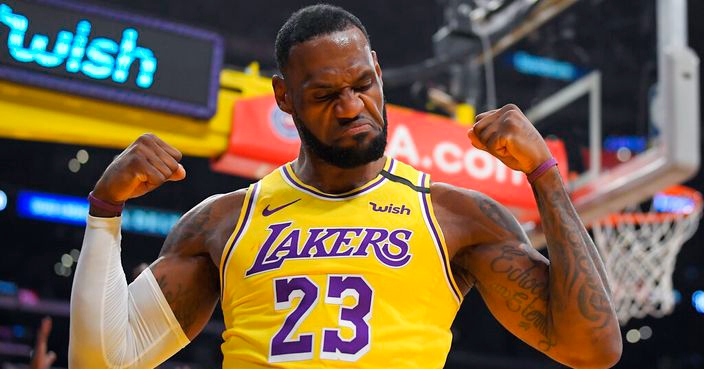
pixel 3 200
pixel 8 288
pixel 541 66
pixel 633 336
pixel 82 156
pixel 673 204
pixel 52 207
pixel 73 210
pixel 645 332
pixel 698 301
pixel 636 144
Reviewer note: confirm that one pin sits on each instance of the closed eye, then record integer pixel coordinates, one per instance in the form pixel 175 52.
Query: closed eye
pixel 365 86
pixel 325 97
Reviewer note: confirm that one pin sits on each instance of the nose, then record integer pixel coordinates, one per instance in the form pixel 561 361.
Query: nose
pixel 349 104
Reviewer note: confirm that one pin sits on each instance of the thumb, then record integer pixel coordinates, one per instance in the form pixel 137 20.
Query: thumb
pixel 179 174
pixel 50 358
pixel 475 140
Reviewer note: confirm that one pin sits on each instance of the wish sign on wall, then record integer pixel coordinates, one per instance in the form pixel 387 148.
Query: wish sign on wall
pixel 110 55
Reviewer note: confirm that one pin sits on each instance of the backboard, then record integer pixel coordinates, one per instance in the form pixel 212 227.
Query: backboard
pixel 624 100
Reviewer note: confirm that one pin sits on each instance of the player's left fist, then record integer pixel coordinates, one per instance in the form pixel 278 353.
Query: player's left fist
pixel 507 134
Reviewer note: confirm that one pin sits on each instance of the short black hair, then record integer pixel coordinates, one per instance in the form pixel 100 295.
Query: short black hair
pixel 310 22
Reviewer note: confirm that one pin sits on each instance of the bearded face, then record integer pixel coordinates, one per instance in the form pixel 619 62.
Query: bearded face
pixel 365 151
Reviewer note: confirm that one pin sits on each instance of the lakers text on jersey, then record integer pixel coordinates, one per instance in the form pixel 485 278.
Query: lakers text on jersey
pixel 360 279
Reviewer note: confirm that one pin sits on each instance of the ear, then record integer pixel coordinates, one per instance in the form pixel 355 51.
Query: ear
pixel 377 67
pixel 281 93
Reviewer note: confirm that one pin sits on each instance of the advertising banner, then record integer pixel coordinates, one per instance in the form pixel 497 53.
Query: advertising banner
pixel 110 55
pixel 263 137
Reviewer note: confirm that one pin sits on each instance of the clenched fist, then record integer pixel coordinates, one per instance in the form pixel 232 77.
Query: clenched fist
pixel 508 135
pixel 143 166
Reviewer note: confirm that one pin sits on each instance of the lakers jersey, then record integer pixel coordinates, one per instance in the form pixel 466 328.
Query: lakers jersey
pixel 354 280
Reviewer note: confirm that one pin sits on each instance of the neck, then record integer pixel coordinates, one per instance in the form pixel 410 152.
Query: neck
pixel 328 178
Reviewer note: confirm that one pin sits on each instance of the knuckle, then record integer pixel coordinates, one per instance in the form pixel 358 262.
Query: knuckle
pixel 505 120
pixel 140 150
pixel 140 146
pixel 153 172
pixel 133 153
pixel 146 139
pixel 137 161
pixel 513 118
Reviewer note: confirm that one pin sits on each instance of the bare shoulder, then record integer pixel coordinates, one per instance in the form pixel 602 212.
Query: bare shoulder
pixel 469 217
pixel 206 228
pixel 187 267
pixel 471 221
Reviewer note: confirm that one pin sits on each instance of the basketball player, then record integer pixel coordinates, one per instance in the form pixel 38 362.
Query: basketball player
pixel 343 258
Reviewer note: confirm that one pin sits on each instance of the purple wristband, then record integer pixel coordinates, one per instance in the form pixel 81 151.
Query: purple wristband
pixel 104 205
pixel 541 169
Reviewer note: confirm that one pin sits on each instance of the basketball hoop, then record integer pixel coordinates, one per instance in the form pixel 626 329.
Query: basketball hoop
pixel 639 249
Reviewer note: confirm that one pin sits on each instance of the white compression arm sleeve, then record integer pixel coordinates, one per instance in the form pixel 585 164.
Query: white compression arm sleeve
pixel 114 325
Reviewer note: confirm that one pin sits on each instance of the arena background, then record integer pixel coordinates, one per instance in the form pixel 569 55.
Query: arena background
pixel 35 281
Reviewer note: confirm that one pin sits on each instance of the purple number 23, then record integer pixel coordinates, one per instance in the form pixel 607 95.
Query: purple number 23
pixel 285 348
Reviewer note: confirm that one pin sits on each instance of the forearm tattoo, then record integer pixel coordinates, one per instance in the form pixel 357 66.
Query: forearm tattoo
pixel 576 265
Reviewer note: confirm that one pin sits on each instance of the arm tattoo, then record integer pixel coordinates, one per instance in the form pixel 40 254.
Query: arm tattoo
pixel 502 218
pixel 574 257
pixel 190 279
pixel 531 297
pixel 462 276
pixel 191 229
pixel 182 306
pixel 184 298
pixel 197 224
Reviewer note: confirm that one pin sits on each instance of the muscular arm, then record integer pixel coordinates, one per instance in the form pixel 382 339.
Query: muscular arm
pixel 116 325
pixel 560 307
pixel 186 269
pixel 136 326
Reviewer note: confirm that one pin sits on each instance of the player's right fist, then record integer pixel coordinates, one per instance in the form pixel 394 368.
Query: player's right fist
pixel 143 166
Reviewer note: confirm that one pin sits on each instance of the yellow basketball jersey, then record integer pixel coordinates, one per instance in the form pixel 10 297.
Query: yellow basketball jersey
pixel 354 280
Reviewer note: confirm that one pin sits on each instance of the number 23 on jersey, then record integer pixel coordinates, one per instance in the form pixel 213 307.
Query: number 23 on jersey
pixel 284 347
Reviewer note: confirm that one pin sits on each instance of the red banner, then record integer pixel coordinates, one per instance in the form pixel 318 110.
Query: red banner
pixel 263 137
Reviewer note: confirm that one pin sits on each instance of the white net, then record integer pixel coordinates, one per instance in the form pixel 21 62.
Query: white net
pixel 639 250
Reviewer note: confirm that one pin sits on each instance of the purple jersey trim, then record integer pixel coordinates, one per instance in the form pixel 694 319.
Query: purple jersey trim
pixel 437 241
pixel 240 231
pixel 293 181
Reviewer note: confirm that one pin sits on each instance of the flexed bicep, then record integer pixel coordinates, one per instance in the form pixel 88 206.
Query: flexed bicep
pixel 116 325
pixel 186 269
pixel 559 307
pixel 512 279
pixel 189 284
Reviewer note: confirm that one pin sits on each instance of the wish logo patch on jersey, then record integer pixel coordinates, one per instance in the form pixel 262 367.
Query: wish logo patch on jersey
pixel 390 247
pixel 391 209
pixel 344 280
